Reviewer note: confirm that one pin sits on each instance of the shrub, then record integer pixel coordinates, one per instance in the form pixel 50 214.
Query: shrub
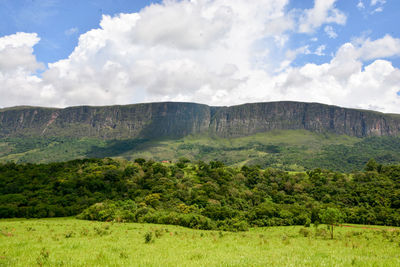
pixel 319 232
pixel 305 232
pixel 233 225
pixel 119 211
pixel 158 233
pixel 148 237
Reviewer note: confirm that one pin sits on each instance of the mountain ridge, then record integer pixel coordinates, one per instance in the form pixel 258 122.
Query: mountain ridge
pixel 179 119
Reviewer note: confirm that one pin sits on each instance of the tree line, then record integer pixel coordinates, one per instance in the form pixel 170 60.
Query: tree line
pixel 198 194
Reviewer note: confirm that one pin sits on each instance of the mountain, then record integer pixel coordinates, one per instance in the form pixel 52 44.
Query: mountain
pixel 286 135
pixel 176 120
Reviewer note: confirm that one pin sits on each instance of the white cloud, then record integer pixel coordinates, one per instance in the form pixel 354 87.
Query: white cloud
pixel 20 39
pixel 291 55
pixel 16 54
pixel 379 4
pixel 380 48
pixel 343 81
pixel 171 51
pixel 330 32
pixel 320 50
pixel 376 2
pixel 360 4
pixel 168 25
pixel 220 52
pixel 377 10
pixel 17 68
pixel 323 12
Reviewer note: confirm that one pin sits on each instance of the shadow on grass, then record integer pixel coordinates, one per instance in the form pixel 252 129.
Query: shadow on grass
pixel 115 148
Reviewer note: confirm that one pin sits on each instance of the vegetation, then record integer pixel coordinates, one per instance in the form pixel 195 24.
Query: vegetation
pixel 70 242
pixel 198 195
pixel 294 150
pixel 330 216
pixel 158 198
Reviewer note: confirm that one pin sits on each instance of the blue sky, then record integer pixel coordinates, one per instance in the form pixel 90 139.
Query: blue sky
pixel 59 23
pixel 246 51
pixel 360 21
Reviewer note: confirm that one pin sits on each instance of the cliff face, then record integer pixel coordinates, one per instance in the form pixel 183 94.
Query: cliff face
pixel 174 120
pixel 261 117
pixel 111 122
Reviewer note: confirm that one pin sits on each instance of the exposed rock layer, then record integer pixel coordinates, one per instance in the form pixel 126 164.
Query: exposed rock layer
pixel 174 120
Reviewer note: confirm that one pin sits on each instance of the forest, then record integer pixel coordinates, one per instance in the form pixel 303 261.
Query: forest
pixel 198 194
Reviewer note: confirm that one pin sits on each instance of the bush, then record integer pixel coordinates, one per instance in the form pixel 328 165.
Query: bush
pixel 233 225
pixel 119 211
pixel 103 211
pixel 305 232
pixel 190 220
pixel 320 232
pixel 148 237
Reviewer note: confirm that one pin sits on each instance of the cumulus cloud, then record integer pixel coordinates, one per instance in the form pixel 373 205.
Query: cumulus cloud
pixel 171 51
pixel 380 48
pixel 17 68
pixel 323 12
pixel 168 25
pixel 16 53
pixel 220 52
pixel 366 87
pixel 344 81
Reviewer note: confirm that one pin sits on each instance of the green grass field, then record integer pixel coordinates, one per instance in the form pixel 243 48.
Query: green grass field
pixel 71 242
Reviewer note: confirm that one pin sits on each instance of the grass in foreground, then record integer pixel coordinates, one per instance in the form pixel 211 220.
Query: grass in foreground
pixel 71 242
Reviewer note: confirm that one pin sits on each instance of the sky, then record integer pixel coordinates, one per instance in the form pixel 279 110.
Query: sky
pixel 219 52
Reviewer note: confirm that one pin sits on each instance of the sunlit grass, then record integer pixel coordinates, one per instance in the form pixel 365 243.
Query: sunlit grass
pixel 61 149
pixel 292 150
pixel 71 242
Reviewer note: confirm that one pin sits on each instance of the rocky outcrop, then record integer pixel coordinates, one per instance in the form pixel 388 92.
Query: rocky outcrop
pixel 174 120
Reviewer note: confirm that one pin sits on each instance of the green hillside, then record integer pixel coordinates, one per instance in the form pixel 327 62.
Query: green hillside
pixel 292 150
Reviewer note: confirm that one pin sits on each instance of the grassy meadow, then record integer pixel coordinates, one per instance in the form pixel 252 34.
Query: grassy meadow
pixel 72 242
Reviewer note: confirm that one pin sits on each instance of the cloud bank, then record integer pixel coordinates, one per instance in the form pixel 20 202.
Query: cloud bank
pixel 221 52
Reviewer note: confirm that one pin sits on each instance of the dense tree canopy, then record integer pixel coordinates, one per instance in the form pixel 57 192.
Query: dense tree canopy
pixel 197 194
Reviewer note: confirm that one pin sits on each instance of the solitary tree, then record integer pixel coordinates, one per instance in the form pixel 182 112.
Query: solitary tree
pixel 330 216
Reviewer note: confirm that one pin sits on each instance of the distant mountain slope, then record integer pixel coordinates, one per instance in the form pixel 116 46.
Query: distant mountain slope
pixel 287 135
pixel 176 120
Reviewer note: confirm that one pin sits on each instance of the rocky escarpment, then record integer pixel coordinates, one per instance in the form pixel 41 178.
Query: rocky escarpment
pixel 261 117
pixel 110 122
pixel 174 120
